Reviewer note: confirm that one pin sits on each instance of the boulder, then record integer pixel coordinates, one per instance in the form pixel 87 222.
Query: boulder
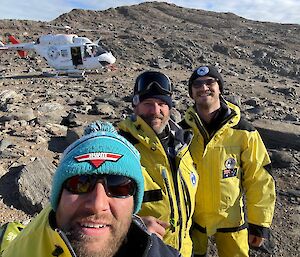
pixel 34 184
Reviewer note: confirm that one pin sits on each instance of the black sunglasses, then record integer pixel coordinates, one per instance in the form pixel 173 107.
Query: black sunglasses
pixel 116 186
pixel 153 80
pixel 200 83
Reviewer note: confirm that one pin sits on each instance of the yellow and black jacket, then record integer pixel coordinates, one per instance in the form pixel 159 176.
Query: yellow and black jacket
pixel 40 238
pixel 170 179
pixel 231 160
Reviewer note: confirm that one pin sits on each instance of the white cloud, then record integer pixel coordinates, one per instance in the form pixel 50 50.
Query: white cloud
pixel 287 11
pixel 33 9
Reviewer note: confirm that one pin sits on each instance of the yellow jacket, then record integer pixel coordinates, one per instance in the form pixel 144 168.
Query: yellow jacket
pixel 170 186
pixel 231 161
pixel 39 239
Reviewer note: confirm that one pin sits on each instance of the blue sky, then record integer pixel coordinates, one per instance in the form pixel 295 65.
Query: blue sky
pixel 282 11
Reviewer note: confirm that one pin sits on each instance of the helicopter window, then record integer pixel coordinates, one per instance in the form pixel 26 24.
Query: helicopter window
pixel 64 53
pixel 93 50
pixel 99 50
pixel 87 51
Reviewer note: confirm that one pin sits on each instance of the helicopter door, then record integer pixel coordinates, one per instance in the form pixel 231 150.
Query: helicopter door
pixel 76 55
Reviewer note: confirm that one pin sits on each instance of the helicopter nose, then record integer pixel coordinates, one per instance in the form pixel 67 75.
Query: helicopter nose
pixel 107 59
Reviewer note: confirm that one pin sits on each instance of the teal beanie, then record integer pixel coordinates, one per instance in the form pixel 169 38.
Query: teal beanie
pixel 100 139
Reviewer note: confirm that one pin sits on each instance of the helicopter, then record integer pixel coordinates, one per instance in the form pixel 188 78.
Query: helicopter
pixel 66 53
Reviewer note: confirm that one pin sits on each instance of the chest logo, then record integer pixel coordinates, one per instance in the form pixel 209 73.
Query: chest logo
pixel 230 163
pixel 230 170
pixel 193 179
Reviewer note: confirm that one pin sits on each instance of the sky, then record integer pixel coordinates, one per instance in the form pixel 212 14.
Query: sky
pixel 281 11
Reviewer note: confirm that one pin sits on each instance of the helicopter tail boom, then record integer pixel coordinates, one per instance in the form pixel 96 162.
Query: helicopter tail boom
pixel 14 41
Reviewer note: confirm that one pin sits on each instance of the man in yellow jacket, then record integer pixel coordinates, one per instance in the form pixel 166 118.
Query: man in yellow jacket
pixel 232 161
pixel 96 190
pixel 170 176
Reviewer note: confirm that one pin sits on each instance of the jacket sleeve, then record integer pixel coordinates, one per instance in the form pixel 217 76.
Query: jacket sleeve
pixel 258 184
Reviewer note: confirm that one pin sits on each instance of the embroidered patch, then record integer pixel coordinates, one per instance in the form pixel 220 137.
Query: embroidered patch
pixel 229 173
pixel 193 179
pixel 230 163
pixel 97 159
pixel 230 170
pixel 202 71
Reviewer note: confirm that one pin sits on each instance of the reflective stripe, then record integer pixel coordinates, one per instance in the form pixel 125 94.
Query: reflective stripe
pixel 222 230
pixel 152 196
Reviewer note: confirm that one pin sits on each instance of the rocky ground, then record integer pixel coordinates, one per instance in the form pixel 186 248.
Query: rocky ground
pixel 40 116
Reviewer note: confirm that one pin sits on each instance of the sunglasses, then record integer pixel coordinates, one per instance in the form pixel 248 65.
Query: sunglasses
pixel 207 82
pixel 149 81
pixel 116 186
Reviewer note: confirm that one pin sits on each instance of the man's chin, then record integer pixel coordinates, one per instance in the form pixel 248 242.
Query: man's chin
pixel 158 129
pixel 89 246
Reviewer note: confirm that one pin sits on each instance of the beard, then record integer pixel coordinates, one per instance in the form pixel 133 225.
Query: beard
pixel 151 120
pixel 108 247
pixel 81 249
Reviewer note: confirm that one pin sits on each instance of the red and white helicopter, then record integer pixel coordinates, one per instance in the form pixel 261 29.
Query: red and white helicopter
pixel 69 54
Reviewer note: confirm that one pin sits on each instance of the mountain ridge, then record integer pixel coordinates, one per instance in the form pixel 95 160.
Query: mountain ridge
pixel 259 61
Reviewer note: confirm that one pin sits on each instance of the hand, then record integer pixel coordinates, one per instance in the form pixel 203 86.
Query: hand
pixel 255 241
pixel 155 225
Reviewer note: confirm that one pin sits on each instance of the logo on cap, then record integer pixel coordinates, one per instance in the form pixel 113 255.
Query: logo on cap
pixel 97 159
pixel 202 71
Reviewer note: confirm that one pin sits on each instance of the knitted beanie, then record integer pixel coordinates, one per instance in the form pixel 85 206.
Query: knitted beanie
pixel 209 71
pixel 100 151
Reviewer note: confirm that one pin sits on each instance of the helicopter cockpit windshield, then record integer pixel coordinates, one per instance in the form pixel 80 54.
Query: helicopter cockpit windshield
pixel 93 50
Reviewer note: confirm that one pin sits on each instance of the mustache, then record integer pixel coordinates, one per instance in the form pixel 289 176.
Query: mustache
pixel 93 217
pixel 204 92
pixel 152 117
pixel 72 230
pixel 89 216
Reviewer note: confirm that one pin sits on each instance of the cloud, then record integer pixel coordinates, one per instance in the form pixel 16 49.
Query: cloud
pixel 33 9
pixel 287 11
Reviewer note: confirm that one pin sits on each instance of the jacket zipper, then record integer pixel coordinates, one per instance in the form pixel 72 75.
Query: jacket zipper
pixel 175 178
pixel 172 216
pixel 187 199
pixel 202 130
pixel 149 245
pixel 67 242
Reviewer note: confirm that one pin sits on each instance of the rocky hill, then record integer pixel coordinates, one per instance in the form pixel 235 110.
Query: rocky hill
pixel 40 116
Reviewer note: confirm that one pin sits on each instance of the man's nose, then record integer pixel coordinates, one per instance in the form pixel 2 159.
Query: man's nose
pixel 97 200
pixel 204 86
pixel 155 108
